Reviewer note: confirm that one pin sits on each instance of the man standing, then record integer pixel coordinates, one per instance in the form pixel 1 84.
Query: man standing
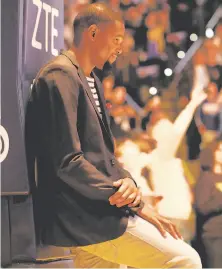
pixel 209 116
pixel 85 199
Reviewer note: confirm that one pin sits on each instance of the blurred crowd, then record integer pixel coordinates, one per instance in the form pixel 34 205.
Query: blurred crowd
pixel 148 138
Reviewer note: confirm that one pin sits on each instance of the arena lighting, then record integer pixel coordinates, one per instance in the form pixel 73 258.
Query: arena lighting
pixel 193 37
pixel 153 91
pixel 168 72
pixel 181 54
pixel 209 33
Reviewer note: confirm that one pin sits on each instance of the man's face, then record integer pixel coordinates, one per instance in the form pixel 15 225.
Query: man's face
pixel 108 43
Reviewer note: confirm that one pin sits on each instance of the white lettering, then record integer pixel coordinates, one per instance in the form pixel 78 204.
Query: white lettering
pixel 54 32
pixel 47 9
pixel 36 44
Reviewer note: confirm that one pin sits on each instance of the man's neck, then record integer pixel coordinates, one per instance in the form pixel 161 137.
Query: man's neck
pixel 84 59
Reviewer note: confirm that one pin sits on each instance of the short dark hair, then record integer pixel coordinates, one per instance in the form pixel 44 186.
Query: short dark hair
pixel 93 14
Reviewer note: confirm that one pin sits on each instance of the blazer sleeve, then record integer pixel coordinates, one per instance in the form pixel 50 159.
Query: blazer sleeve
pixel 124 173
pixel 56 105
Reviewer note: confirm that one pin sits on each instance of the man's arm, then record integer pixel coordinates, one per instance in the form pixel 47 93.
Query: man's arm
pixel 136 198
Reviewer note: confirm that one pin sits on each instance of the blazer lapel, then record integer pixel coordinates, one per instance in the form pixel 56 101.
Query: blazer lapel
pixel 82 76
pixel 89 93
pixel 103 103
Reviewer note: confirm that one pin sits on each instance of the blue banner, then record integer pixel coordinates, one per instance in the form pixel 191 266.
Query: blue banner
pixel 43 33
pixel 32 34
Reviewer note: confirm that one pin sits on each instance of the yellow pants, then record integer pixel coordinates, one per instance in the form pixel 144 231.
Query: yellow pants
pixel 141 246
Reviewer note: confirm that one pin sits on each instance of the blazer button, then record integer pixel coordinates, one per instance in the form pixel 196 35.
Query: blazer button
pixel 113 162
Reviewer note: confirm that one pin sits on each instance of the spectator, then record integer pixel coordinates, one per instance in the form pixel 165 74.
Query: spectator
pixel 209 116
pixel 208 198
pixel 155 34
pixel 167 172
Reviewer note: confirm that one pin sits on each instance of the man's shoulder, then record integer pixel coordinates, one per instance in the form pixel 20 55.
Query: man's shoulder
pixel 60 63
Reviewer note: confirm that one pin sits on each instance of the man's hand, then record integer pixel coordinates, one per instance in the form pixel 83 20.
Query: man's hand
pixel 127 193
pixel 161 223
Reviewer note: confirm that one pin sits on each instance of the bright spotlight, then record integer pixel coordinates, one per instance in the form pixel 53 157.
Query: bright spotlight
pixel 209 33
pixel 168 72
pixel 153 90
pixel 181 54
pixel 193 37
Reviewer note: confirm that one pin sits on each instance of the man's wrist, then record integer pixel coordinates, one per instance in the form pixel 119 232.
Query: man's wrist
pixel 138 208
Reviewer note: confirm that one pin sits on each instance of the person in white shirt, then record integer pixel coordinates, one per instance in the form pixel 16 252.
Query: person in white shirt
pixel 167 172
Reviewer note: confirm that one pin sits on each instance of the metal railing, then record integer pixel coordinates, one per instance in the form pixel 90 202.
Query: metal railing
pixel 195 46
pixel 182 64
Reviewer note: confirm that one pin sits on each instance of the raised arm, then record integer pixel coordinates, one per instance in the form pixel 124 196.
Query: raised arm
pixel 183 120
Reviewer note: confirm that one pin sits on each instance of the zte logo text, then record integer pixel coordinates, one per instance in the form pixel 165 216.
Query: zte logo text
pixel 50 14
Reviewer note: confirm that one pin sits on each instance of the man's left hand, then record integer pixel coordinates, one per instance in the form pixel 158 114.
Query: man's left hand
pixel 127 193
pixel 162 224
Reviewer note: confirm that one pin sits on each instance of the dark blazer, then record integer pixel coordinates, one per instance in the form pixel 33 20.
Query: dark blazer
pixel 74 153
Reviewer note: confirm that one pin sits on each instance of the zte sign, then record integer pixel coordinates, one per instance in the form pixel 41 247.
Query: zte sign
pixel 43 36
pixel 49 13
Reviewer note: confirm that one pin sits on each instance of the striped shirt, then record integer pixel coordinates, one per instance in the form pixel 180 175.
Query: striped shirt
pixel 91 82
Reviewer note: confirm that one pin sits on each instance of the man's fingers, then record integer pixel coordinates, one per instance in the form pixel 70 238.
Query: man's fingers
pixel 124 187
pixel 127 195
pixel 118 183
pixel 177 232
pixel 159 226
pixel 136 201
pixel 127 201
pixel 118 194
pixel 171 228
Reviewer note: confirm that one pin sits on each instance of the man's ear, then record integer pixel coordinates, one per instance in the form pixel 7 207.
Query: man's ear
pixel 93 30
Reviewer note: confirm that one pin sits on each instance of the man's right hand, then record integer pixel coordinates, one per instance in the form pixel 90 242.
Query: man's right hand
pixel 162 224
pixel 126 194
